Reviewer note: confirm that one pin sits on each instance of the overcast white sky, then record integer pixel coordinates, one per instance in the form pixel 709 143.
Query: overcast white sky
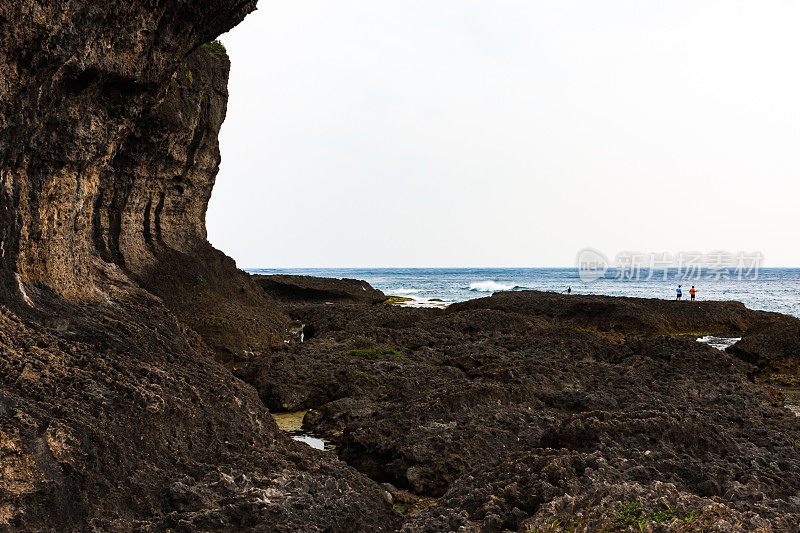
pixel 508 132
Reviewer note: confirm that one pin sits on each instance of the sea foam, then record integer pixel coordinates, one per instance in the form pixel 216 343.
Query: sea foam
pixel 491 286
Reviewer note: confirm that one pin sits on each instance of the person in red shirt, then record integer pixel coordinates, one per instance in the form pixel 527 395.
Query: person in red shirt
pixel 692 292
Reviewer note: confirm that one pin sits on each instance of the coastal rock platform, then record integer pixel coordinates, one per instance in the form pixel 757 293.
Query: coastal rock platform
pixel 527 408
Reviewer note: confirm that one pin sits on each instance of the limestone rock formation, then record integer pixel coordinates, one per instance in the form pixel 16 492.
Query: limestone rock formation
pixel 110 113
pixel 114 414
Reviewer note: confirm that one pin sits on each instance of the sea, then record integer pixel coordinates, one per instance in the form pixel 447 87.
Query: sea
pixel 768 289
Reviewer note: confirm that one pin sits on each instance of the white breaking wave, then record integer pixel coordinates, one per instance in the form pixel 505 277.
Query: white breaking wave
pixel 405 291
pixel 720 343
pixel 491 286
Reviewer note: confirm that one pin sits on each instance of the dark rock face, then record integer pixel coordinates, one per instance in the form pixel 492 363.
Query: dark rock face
pixel 514 416
pixel 630 316
pixel 110 114
pixel 114 415
pixel 113 422
pixel 311 288
pixel 77 78
pixel 160 187
pixel 774 349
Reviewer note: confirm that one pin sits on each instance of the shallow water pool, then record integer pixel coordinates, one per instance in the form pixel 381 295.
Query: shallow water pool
pixel 292 423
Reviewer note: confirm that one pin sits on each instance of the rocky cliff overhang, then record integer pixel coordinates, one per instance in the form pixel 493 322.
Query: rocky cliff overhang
pixel 79 86
pixel 109 113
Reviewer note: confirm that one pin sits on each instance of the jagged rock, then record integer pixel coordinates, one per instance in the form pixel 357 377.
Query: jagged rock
pixel 506 412
pixel 114 415
pixel 630 316
pixel 774 349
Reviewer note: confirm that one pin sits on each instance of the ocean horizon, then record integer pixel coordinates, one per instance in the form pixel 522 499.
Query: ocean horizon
pixel 768 289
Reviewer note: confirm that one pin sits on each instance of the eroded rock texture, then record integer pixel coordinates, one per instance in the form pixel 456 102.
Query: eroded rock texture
pixel 110 113
pixel 531 411
pixel 114 414
pixel 115 423
pixel 774 350
pixel 77 78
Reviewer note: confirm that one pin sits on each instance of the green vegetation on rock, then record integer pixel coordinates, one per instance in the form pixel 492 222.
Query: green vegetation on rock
pixel 627 516
pixel 373 354
pixel 215 48
pixel 400 508
pixel 631 513
pixel 363 377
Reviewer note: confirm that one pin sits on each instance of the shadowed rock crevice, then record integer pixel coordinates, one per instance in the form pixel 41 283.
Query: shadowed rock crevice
pixel 774 350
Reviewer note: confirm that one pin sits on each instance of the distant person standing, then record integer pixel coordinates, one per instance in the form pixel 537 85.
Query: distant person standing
pixel 679 294
pixel 569 290
pixel 692 292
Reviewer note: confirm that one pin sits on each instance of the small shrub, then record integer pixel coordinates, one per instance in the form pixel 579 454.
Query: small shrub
pixel 364 378
pixel 215 48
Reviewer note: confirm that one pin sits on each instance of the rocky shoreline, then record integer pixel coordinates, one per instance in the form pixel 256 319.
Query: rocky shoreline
pixel 120 326
pixel 525 408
